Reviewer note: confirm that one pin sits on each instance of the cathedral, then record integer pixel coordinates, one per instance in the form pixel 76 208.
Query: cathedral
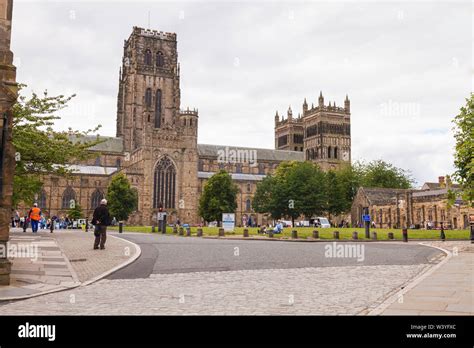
pixel 156 144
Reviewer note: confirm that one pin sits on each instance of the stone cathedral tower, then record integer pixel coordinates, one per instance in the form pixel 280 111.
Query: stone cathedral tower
pixel 159 140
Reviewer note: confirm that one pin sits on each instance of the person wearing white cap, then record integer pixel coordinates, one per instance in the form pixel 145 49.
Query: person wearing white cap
pixel 101 219
pixel 35 216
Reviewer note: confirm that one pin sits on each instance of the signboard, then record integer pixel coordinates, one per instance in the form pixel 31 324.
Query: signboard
pixel 366 218
pixel 228 222
pixel 161 216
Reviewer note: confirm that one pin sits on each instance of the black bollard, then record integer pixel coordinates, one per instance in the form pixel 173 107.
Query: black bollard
pixel 221 232
pixel 442 234
pixel 246 232
pixel 270 234
pixel 390 235
pixel 316 234
pixel 294 234
pixel 120 227
pixel 355 235
pixel 405 235
pixel 188 232
pixel 374 235
pixel 199 232
pixel 181 231
pixel 336 234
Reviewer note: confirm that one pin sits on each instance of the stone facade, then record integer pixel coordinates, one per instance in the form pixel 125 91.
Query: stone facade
pixel 8 95
pixel 156 144
pixel 322 132
pixel 398 208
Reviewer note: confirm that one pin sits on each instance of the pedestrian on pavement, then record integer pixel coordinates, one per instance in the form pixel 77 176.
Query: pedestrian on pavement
pixel 101 220
pixel 35 216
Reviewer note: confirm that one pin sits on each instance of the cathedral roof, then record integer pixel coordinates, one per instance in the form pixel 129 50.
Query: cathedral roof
pixel 382 196
pixel 207 150
pixel 110 144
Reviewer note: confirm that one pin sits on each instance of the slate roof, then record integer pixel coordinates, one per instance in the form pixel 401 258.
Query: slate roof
pixel 436 186
pixel 207 150
pixel 91 170
pixel 111 144
pixel 235 176
pixel 382 196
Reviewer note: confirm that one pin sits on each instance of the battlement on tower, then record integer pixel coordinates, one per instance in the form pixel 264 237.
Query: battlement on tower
pixel 187 112
pixel 162 35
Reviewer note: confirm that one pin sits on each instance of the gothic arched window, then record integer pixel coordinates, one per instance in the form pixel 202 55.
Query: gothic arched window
pixel 329 152
pixel 96 197
pixel 158 109
pixel 148 97
pixel 164 184
pixel 261 169
pixel 336 154
pixel 147 57
pixel 68 195
pixel 42 200
pixel 160 59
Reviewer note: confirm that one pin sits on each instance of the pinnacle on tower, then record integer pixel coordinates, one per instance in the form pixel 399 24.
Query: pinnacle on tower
pixel 321 99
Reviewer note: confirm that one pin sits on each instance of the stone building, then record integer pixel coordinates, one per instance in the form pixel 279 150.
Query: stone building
pixel 156 144
pixel 8 95
pixel 398 208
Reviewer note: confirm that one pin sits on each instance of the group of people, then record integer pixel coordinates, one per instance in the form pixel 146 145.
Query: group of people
pixel 101 219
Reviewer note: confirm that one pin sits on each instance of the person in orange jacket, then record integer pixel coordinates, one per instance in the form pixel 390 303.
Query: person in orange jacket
pixel 35 217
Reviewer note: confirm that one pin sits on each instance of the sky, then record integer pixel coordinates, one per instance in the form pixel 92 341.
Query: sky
pixel 406 67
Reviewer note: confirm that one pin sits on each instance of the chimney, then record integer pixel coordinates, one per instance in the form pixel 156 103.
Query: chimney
pixel 441 181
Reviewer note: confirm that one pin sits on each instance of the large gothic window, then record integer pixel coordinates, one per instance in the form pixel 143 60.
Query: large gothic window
pixel 68 195
pixel 96 197
pixel 148 97
pixel 164 184
pixel 147 57
pixel 158 109
pixel 336 152
pixel 160 59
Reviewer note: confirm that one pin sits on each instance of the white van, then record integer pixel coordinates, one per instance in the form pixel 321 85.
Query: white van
pixel 322 222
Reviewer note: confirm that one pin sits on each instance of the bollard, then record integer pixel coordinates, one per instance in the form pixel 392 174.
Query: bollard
pixel 153 228
pixel 270 234
pixel 316 234
pixel 390 235
pixel 120 227
pixel 405 235
pixel 188 232
pixel 294 234
pixel 336 234
pixel 374 235
pixel 221 232
pixel 175 229
pixel 355 235
pixel 181 231
pixel 199 232
pixel 246 232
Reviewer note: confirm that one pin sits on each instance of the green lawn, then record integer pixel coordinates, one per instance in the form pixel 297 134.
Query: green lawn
pixel 324 233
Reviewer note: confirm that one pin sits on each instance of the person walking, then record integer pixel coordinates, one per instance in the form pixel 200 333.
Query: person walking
pixel 101 219
pixel 35 217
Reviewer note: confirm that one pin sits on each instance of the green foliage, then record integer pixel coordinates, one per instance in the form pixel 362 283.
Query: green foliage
pixel 382 174
pixel 40 149
pixel 122 199
pixel 76 212
pixel 464 150
pixel 219 196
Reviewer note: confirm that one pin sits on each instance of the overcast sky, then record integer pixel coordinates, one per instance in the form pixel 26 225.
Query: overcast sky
pixel 407 67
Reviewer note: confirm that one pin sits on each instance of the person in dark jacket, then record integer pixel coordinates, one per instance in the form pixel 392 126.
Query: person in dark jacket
pixel 101 219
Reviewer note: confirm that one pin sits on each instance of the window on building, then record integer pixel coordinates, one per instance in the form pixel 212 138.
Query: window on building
pixel 200 165
pixel 147 57
pixel 261 169
pixel 118 163
pixel 248 205
pixel 238 168
pixel 97 161
pixel 96 197
pixel 148 97
pixel 42 199
pixel 158 109
pixel 249 188
pixel 160 59
pixel 68 195
pixel 336 154
pixel 329 151
pixel 164 184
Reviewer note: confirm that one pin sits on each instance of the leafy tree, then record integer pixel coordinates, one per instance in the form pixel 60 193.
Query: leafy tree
pixel 335 194
pixel 349 178
pixel 40 149
pixel 122 199
pixel 382 174
pixel 219 196
pixel 76 212
pixel 297 188
pixel 464 150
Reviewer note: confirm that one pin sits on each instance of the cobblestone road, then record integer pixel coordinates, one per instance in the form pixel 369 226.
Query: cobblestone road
pixel 304 291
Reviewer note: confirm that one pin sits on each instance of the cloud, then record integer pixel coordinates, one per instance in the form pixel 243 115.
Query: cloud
pixel 406 67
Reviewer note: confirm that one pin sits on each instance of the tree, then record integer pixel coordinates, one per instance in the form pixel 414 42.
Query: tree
pixel 122 199
pixel 219 196
pixel 39 149
pixel 464 150
pixel 335 194
pixel 379 173
pixel 297 188
pixel 76 212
